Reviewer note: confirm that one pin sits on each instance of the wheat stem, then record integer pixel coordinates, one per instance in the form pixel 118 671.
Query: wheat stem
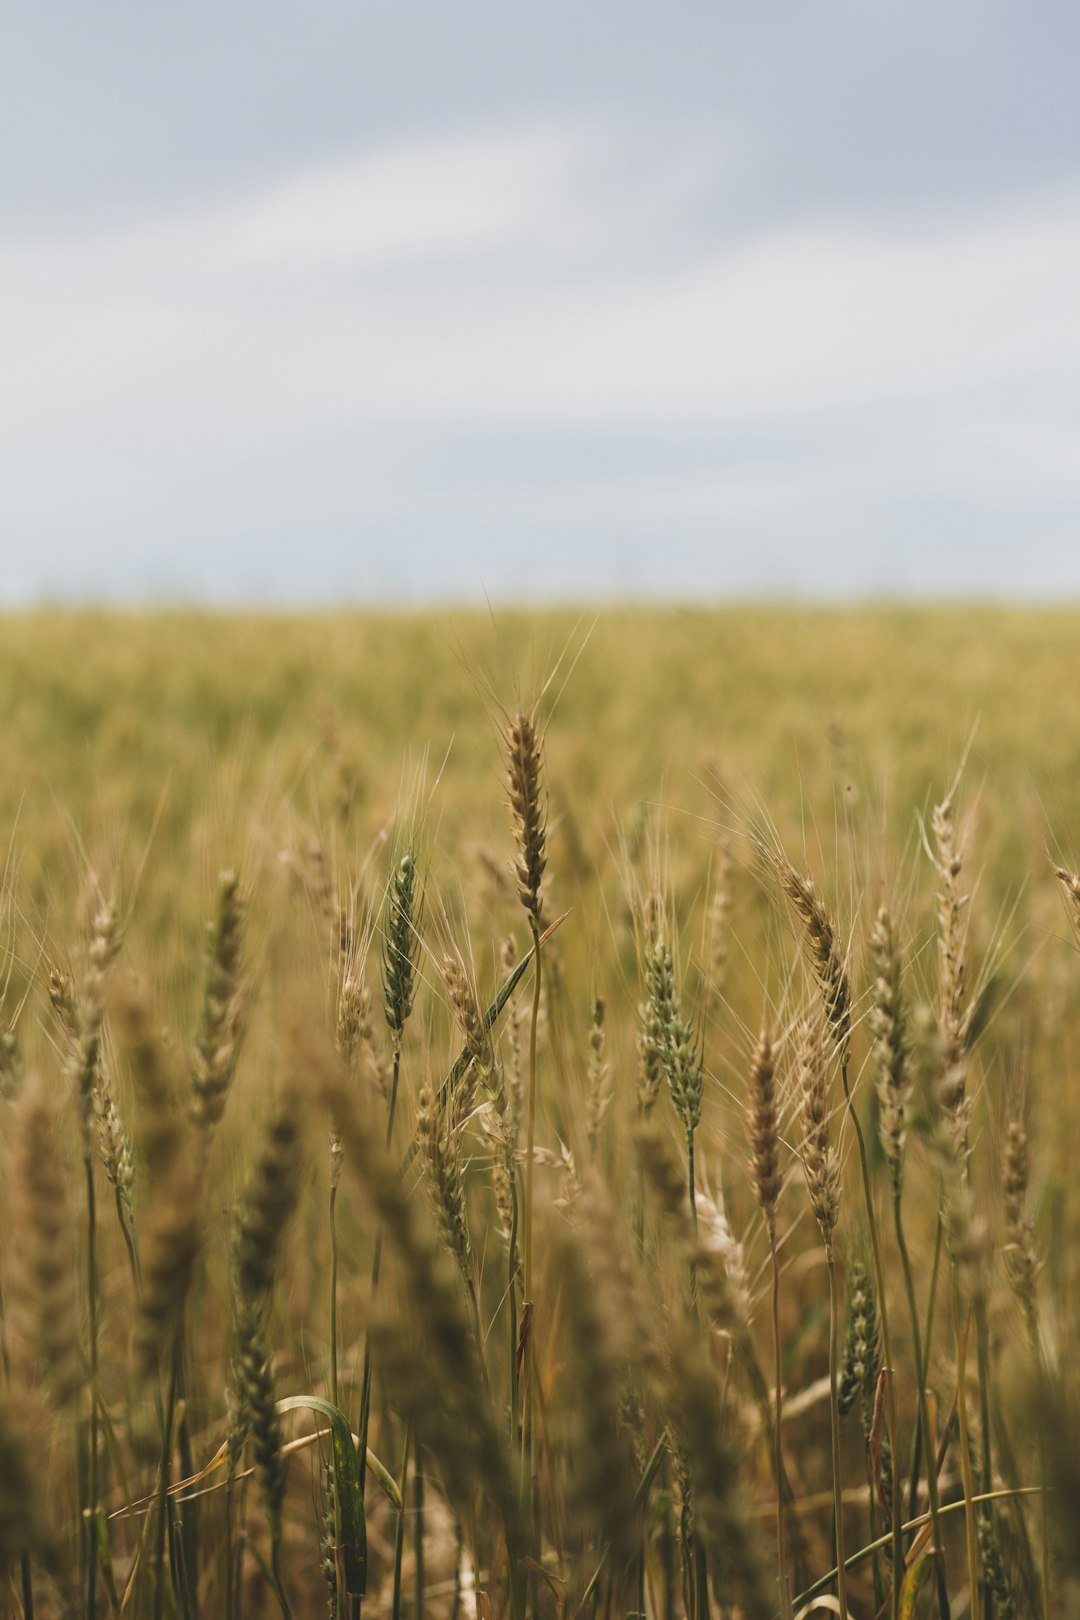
pixel 924 1409
pixel 399 1528
pixel 332 1220
pixel 164 1476
pixel 961 1341
pixel 90 1524
pixel 778 1374
pixel 530 1127
pixel 834 1417
pixel 376 1269
pixel 883 1314
pixel 418 1535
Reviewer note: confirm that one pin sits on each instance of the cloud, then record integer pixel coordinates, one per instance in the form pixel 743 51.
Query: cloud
pixel 346 350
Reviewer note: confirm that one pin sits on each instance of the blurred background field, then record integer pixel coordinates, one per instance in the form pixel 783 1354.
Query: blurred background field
pixel 195 722
pixel 147 751
pixel 196 740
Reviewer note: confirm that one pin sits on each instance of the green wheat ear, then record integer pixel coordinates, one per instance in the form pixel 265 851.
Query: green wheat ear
pixel 401 936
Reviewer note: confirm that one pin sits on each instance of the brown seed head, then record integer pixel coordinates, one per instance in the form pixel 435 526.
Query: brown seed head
pixel 763 1130
pixel 598 1089
pixel 524 767
pixel 440 1145
pixel 62 996
pixel 829 969
pixel 85 1060
pixel 465 1005
pixel 217 1046
pixel 820 1162
pixel 114 1143
pixel 890 1042
pixel 954 1018
pixel 1021 1258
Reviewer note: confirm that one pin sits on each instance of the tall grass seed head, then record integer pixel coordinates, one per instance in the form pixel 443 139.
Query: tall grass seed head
pixel 400 941
pixel 892 1064
pixel 820 1162
pixel 828 963
pixel 763 1129
pixel 217 1045
pixel 524 773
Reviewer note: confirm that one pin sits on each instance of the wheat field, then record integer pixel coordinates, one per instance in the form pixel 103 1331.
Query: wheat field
pixel 528 1114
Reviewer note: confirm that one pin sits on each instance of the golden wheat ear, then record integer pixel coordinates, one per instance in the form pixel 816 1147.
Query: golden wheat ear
pixel 221 1028
pixel 826 958
pixel 524 771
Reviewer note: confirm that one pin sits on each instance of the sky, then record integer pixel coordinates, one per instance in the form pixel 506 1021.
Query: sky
pixel 433 300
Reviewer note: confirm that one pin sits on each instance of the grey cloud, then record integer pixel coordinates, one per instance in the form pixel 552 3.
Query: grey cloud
pixel 376 299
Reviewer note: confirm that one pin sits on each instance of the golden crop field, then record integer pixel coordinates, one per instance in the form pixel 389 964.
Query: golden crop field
pixel 512 1114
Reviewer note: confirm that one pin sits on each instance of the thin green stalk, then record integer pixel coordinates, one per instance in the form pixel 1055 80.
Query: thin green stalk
pixel 778 1374
pixel 961 1341
pixel 924 1411
pixel 935 1268
pixel 529 1488
pixel 332 1218
pixel 477 1327
pixel 376 1268
pixel 922 1372
pixel 701 1580
pixel 399 1529
pixel 982 1355
pixel 184 1577
pixel 896 1536
pixel 693 1216
pixel 129 1239
pixel 1044 1521
pixel 189 1510
pixel 907 1526
pixel 531 1125
pixel 90 1525
pixel 667 1556
pixel 230 1588
pixel 164 1480
pixel 872 1520
pixel 639 1233
pixel 418 1537
pixel 392 1106
pixel 275 1572
pixel 353 1600
pixel 241 1544
pixel 513 1273
pixel 834 1416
